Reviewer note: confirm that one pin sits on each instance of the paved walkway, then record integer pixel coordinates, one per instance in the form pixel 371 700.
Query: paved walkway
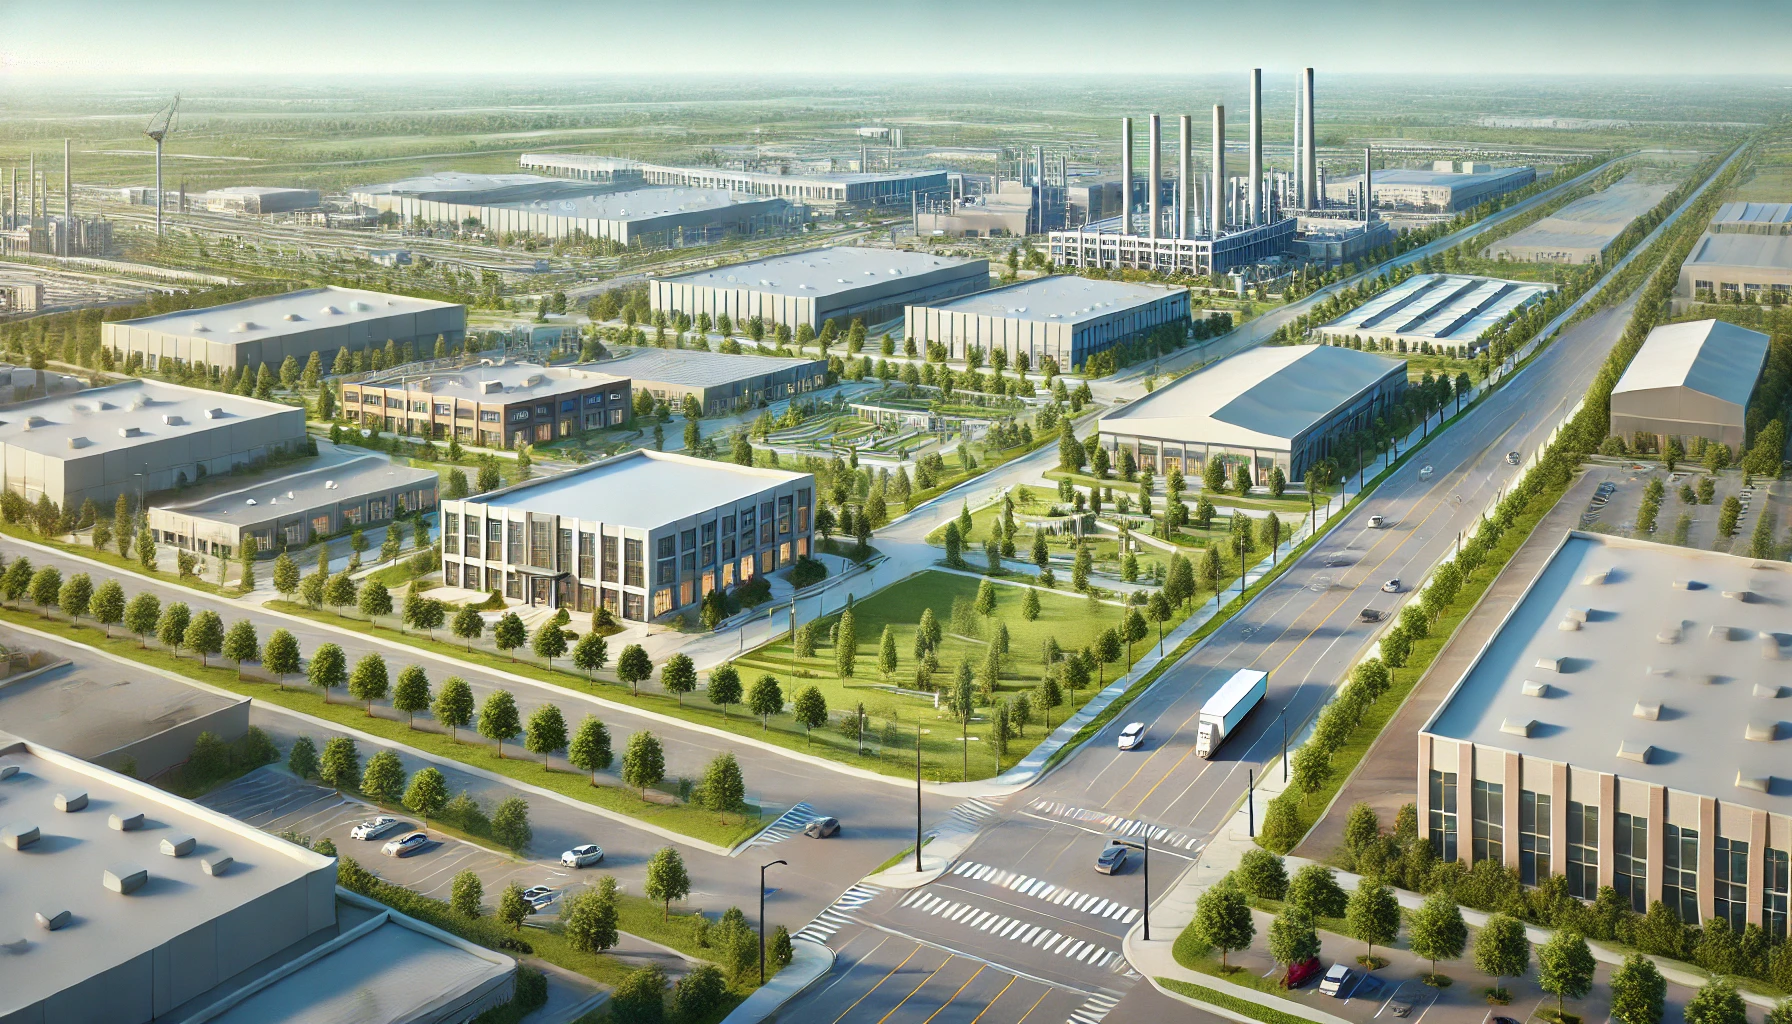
pixel 812 960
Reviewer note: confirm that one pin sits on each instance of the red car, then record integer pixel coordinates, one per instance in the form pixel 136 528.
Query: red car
pixel 1301 973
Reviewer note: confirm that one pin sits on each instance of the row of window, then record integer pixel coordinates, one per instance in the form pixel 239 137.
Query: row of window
pixel 542 410
pixel 1630 853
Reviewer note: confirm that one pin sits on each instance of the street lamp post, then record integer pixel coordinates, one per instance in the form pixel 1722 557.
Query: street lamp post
pixel 1250 800
pixel 1146 904
pixel 918 799
pixel 1283 718
pixel 762 868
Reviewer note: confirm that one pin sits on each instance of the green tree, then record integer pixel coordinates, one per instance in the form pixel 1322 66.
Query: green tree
pixel 512 907
pixel 700 993
pixel 171 628
pixel 427 795
pixel 549 642
pixel 766 699
pixel 204 635
pixel 1373 914
pixel 591 918
pixel 301 760
pixel 724 688
pixel 643 761
pixel 75 596
pixel 411 695
pixel 1437 931
pixel 641 998
pixel 466 893
pixel 1311 767
pixel 141 616
pixel 590 748
pixel 340 592
pixel 46 587
pixel 340 766
pixel 1565 967
pixel 375 599
pixel 241 644
pixel 510 823
pixel 384 779
pixel 1292 938
pixel 1727 516
pixel 510 634
pixel 1223 918
pixel 634 667
pixel 498 719
pixel 667 879
pixel 454 706
pixel 468 625
pixel 146 549
pixel 1261 874
pixel 724 787
pixel 1639 992
pixel 1717 1002
pixel 286 576
pixel 679 676
pixel 328 669
pixel 369 681
pixel 589 654
pixel 810 710
pixel 546 732
pixel 107 605
pixel 1314 888
pixel 846 644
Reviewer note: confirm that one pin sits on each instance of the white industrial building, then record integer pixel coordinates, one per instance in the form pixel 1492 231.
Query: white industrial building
pixel 1266 408
pixel 122 903
pixel 1584 230
pixel 1690 380
pixel 1449 312
pixel 1062 317
pixel 843 284
pixel 822 189
pixel 1744 256
pixel 644 534
pixel 1441 189
pixel 137 437
pixel 254 199
pixel 264 331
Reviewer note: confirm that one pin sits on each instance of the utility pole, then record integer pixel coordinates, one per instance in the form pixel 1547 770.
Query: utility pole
pixel 762 868
pixel 1250 800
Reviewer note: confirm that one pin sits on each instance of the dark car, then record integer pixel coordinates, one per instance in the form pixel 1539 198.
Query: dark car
pixel 821 828
pixel 1301 973
pixel 1111 859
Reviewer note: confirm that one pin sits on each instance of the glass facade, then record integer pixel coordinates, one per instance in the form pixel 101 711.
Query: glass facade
pixel 1680 872
pixel 1774 893
pixel 1630 860
pixel 1729 892
pixel 1443 814
pixel 1488 816
pixel 1583 850
pixel 1533 837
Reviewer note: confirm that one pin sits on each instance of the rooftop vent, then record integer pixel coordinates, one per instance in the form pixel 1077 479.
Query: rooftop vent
pixel 291 317
pixel 199 328
pixel 1579 614
pixel 246 325
pixel 1630 750
pixel 1758 783
pixel 251 501
pixel 125 822
pixel 1514 727
pixel 124 879
pixel 130 431
pixel 216 866
pixel 1762 731
pixel 329 485
pixel 1770 647
pixel 1569 624
pixel 361 307
pixel 71 801
pixel 1532 688
pixel 1649 709
pixel 53 920
pixel 490 387
pixel 32 422
pixel 1551 664
pixel 1769 691
pixel 330 311
pixel 1724 633
pixel 289 495
pixel 1670 634
pixel 19 835
pixel 178 845
pixel 78 442
pixel 214 414
pixel 1745 596
pixel 173 420
pixel 7 771
pixel 1688 585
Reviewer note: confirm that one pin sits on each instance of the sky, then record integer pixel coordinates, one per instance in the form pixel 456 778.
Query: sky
pixel 70 39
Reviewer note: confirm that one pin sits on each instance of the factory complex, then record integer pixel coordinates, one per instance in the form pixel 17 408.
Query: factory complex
pixel 1689 380
pixel 1447 312
pixel 822 189
pixel 1624 727
pixel 1582 231
pixel 842 283
pixel 1745 255
pixel 1267 408
pixel 644 534
pixel 1060 317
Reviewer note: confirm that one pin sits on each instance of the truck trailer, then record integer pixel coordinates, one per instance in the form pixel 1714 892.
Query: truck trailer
pixel 1223 712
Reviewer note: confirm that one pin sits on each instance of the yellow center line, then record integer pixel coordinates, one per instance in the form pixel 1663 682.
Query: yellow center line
pixel 1011 980
pixel 961 988
pixel 1035 1006
pixel 880 981
pixel 917 988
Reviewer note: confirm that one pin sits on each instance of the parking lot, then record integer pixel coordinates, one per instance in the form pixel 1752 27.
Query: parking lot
pixel 1613 507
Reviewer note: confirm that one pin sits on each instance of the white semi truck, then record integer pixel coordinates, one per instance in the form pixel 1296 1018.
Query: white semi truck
pixel 1224 710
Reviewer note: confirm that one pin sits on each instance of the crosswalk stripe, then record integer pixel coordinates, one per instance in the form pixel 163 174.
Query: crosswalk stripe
pixel 1074 948
pixel 1045 940
pixel 962 868
pixel 1063 894
pixel 1061 945
pixel 1097 906
pixel 1131 913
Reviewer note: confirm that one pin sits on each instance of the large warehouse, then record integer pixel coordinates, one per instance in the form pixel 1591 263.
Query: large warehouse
pixel 825 189
pixel 264 331
pixel 1690 380
pixel 671 528
pixel 1065 318
pixel 126 904
pixel 719 381
pixel 1624 727
pixel 842 284
pixel 495 406
pixel 291 511
pixel 1582 231
pixel 1432 191
pixel 1447 311
pixel 552 208
pixel 1265 408
pixel 261 199
pixel 137 437
pixel 1744 256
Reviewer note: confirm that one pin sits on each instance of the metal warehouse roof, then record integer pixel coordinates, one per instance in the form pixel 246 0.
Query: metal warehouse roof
pixel 494 382
pixel 1450 179
pixel 122 416
pixel 1437 307
pixel 1740 250
pixel 286 495
pixel 271 316
pixel 1739 215
pixel 694 369
pixel 1708 356
pixel 634 204
pixel 1651 661
pixel 1264 397
pixel 640 488
pixel 1062 297
pixel 818 272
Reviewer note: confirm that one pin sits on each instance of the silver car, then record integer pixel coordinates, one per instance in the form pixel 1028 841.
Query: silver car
pixel 373 828
pixel 406 845
pixel 583 856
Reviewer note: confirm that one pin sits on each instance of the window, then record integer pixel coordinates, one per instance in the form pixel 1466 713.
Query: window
pixel 588 556
pixel 727 548
pixel 472 577
pixel 513 586
pixel 494 578
pixel 1443 814
pixel 1730 891
pixel 541 553
pixel 489 416
pixel 802 510
pixel 544 410
pixel 444 409
pixel 667 547
pixel 612 559
pixel 665 572
pixel 353 515
pixel 450 522
pixel 662 601
pixel 518 415
pixel 379 509
pixel 1533 837
pixel 765 524
pixel 514 547
pixel 563 551
pixel 784 504
pixel 634 563
pixel 1773 894
pixel 494 534
pixel 419 405
pixel 1488 819
pixel 1680 872
pixel 768 560
pixel 1630 867
pixel 688 558
pixel 634 607
pixel 708 555
pixel 1583 850
pixel 570 405
pixel 746 527
pixel 594 399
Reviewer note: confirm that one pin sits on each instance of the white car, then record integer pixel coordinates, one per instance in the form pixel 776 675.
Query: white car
pixel 1425 472
pixel 582 856
pixel 1132 736
pixel 539 896
pixel 1392 586
pixel 373 828
pixel 406 845
pixel 1375 522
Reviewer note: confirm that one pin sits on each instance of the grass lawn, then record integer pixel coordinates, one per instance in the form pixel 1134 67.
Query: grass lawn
pixel 1257 501
pixel 723 830
pixel 166 568
pixel 1242 1007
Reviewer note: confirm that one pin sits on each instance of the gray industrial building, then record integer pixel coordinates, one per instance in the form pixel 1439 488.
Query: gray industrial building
pixel 1274 407
pixel 293 510
pixel 253 199
pixel 137 437
pixel 1625 727
pixel 1689 380
pixel 822 189
pixel 1584 230
pixel 720 382
pixel 843 283
pixel 644 534
pixel 127 905
pixel 1431 191
pixel 657 217
pixel 1065 318
pixel 1745 255
pixel 264 331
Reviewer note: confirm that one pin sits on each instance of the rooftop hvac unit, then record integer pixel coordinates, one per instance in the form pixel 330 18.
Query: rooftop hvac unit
pixel 214 414
pixel 251 501
pixel 33 422
pixel 292 317
pixel 490 387
pixel 246 325
pixel 78 442
pixel 199 328
pixel 173 420
pixel 330 311
pixel 130 431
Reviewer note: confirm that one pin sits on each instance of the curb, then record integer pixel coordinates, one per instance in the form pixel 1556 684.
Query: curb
pixel 809 966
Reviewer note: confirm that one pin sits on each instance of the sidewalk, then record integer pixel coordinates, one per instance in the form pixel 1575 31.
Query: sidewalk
pixel 812 960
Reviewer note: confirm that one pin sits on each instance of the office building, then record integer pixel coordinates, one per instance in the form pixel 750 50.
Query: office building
pixel 646 534
pixel 1061 317
pixel 1433 191
pixel 1448 312
pixel 1268 408
pixel 499 405
pixel 720 382
pixel 293 510
pixel 138 437
pixel 824 189
pixel 1624 727
pixel 125 904
pixel 264 331
pixel 1584 230
pixel 1744 256
pixel 1690 380
pixel 843 284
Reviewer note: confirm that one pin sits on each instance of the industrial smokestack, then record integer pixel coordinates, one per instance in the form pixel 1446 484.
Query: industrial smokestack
pixel 1185 132
pixel 1217 193
pixel 1155 176
pixel 1294 174
pixel 1126 175
pixel 1256 143
pixel 1368 196
pixel 68 201
pixel 31 191
pixel 1039 165
pixel 1310 197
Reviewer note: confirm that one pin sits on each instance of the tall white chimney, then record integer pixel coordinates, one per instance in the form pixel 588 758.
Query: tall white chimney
pixel 1217 224
pixel 1310 196
pixel 1154 177
pixel 1256 156
pixel 1126 175
pixel 1185 213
